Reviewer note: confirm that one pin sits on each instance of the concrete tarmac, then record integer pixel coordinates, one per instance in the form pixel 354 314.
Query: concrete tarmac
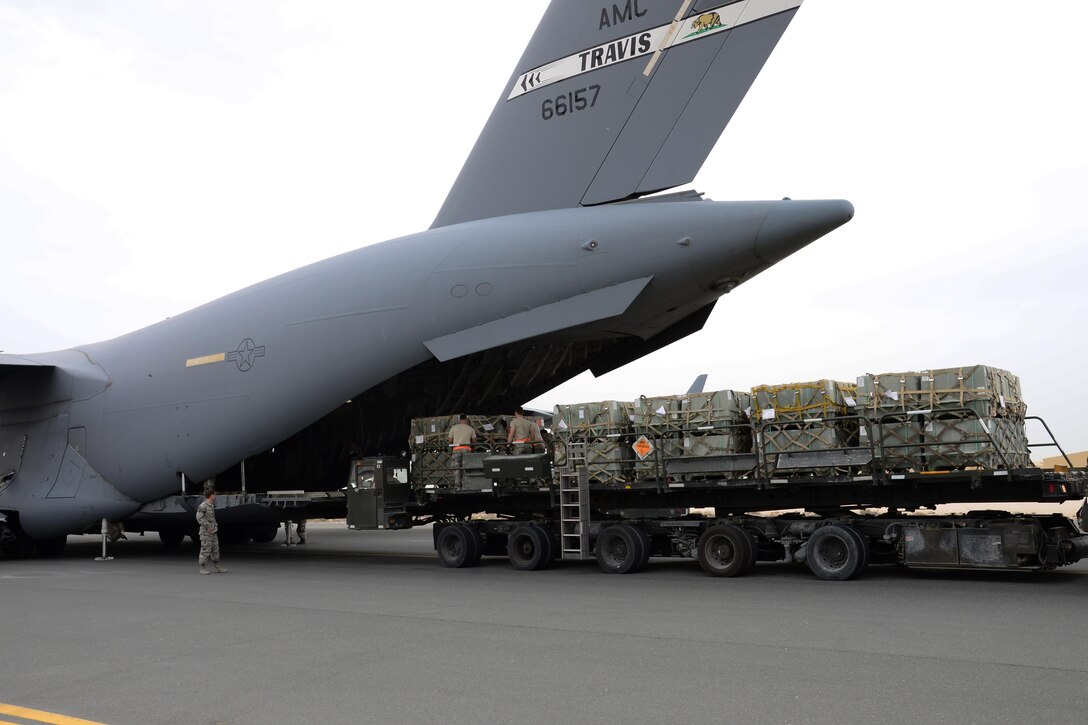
pixel 367 627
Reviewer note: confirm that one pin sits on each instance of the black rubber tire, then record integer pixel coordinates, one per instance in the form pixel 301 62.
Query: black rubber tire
pixel 863 544
pixel 233 535
pixel 619 549
pixel 647 549
pixel 265 533
pixel 725 550
pixel 833 553
pixel 51 548
pixel 751 565
pixel 171 538
pixel 550 543
pixel 477 544
pixel 528 548
pixel 458 546
pixel 21 548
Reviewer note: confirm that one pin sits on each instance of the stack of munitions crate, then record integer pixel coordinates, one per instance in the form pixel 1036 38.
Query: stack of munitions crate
pixel 966 417
pixel 659 419
pixel 995 438
pixel 433 461
pixel 805 418
pixel 605 429
pixel 883 402
pixel 490 431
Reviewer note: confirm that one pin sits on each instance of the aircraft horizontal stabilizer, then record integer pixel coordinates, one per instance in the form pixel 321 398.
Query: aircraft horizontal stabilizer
pixel 599 304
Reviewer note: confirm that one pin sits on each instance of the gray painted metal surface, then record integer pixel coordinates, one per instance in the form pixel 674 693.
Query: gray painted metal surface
pixel 189 397
pixel 635 95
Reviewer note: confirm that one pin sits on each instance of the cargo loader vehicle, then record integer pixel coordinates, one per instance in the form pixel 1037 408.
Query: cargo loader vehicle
pixel 833 476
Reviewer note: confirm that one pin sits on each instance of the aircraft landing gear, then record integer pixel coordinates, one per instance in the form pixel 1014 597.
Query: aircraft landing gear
pixel 14 544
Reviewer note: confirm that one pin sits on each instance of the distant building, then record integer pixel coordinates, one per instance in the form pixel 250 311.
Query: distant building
pixel 1079 460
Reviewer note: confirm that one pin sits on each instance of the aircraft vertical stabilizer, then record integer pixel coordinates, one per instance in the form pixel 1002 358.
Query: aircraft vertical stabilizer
pixel 615 100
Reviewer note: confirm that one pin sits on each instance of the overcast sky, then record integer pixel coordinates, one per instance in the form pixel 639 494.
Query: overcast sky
pixel 156 155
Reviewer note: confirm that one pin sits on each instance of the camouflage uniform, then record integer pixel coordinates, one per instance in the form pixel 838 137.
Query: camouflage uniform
pixel 209 538
pixel 461 437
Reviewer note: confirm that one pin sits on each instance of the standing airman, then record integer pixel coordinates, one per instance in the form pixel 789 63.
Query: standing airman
pixel 209 533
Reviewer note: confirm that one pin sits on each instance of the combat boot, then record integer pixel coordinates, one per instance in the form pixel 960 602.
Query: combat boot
pixel 204 568
pixel 219 569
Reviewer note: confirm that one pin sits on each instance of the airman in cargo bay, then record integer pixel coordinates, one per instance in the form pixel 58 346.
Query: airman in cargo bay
pixel 461 436
pixel 209 533
pixel 523 433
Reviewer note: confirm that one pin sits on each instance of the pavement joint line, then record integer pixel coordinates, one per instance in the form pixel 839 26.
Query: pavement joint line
pixel 51 718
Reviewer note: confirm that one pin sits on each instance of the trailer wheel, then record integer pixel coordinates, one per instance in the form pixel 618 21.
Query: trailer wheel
pixel 863 544
pixel 647 549
pixel 619 549
pixel 458 546
pixel 551 544
pixel 529 548
pixel 477 544
pixel 833 553
pixel 725 550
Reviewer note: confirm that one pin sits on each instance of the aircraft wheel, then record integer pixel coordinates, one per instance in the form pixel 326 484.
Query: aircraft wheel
pixel 725 550
pixel 619 549
pixel 17 545
pixel 528 547
pixel 265 533
pixel 171 538
pixel 233 535
pixel 458 546
pixel 833 553
pixel 51 548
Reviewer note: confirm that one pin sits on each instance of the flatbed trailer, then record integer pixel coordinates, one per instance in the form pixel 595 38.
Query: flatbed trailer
pixel 523 512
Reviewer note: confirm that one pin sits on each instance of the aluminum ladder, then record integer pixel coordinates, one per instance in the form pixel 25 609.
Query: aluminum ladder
pixel 574 506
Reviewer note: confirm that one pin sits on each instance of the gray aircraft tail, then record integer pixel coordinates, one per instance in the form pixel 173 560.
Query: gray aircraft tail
pixel 614 100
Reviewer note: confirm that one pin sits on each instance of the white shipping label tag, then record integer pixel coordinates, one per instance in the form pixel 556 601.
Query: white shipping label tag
pixel 1002 399
pixel 433 428
pixel 581 413
pixel 563 424
pixel 419 440
pixel 768 414
pixel 891 394
pixel 488 427
pixel 661 410
pixel 850 401
pixel 748 411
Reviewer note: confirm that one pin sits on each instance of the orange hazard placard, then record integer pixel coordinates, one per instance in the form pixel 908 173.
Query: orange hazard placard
pixel 643 447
